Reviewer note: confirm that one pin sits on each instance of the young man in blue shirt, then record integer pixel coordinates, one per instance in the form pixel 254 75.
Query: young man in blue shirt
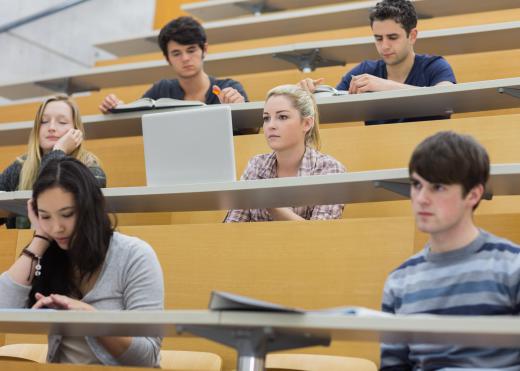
pixel 394 26
pixel 183 43
pixel 462 270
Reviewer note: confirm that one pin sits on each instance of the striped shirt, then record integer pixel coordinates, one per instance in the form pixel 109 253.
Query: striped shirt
pixel 264 167
pixel 481 278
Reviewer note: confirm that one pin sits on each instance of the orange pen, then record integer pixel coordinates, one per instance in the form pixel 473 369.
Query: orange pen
pixel 216 90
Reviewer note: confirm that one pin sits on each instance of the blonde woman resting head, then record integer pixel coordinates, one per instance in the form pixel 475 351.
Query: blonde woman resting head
pixel 57 132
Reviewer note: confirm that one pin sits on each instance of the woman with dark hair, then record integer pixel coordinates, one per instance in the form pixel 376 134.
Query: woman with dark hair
pixel 76 261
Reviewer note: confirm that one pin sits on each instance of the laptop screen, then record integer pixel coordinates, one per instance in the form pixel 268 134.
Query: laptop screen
pixel 189 146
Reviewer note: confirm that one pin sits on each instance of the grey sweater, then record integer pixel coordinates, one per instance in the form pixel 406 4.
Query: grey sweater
pixel 130 279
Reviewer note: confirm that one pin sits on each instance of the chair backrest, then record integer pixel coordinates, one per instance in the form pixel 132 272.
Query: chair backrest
pixel 315 362
pixel 28 352
pixel 188 360
pixel 170 359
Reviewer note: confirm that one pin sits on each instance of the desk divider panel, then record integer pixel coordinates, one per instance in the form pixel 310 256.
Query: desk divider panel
pixel 310 265
pixel 8 240
pixel 358 148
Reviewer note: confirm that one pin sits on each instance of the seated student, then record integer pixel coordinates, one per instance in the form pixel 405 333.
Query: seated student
pixel 291 127
pixel 462 270
pixel 76 261
pixel 183 43
pixel 57 132
pixel 394 25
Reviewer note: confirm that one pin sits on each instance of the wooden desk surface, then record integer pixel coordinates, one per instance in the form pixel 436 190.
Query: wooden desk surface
pixel 363 186
pixel 414 102
pixel 468 330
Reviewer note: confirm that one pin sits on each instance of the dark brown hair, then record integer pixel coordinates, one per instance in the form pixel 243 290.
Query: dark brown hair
pixel 182 30
pixel 451 158
pixel 92 233
pixel 400 11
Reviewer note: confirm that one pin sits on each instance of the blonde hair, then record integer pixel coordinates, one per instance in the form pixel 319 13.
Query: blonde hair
pixel 32 161
pixel 305 104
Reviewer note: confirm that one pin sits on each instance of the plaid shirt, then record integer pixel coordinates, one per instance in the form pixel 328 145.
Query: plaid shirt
pixel 264 167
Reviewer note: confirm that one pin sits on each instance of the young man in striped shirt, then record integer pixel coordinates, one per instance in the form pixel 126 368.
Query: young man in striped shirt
pixel 462 270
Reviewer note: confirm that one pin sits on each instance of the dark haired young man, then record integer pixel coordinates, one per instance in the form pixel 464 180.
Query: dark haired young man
pixel 183 43
pixel 394 25
pixel 462 270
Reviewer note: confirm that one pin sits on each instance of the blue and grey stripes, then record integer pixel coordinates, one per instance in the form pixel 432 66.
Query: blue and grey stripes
pixel 481 278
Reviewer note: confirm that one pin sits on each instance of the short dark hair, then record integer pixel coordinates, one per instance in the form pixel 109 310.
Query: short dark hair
pixel 182 30
pixel 401 11
pixel 90 239
pixel 451 158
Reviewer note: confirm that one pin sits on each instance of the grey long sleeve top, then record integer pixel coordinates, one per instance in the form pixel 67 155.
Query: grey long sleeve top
pixel 130 279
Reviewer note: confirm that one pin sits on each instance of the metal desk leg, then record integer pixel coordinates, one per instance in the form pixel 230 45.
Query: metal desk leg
pixel 250 364
pixel 252 344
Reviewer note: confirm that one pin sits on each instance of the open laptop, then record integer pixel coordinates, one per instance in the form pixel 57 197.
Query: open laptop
pixel 189 146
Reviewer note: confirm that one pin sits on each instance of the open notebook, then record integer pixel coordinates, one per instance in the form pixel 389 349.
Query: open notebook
pixel 221 300
pixel 149 103
pixel 328 91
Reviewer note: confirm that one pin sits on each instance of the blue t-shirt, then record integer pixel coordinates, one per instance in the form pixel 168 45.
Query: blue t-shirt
pixel 427 70
pixel 172 89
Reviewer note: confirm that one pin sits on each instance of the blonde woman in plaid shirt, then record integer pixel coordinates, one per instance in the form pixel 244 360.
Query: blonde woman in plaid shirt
pixel 291 128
